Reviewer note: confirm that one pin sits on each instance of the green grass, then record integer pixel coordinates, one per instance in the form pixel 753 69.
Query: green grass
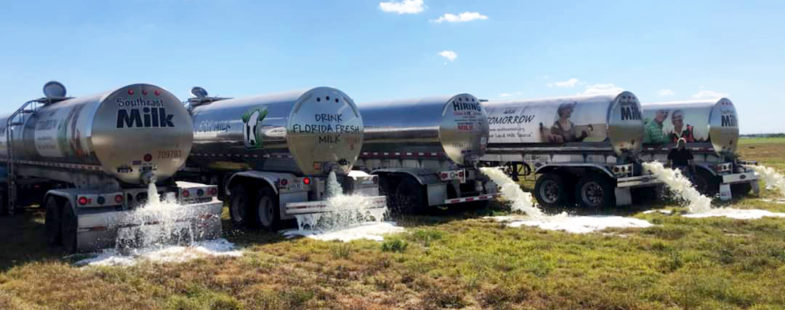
pixel 454 260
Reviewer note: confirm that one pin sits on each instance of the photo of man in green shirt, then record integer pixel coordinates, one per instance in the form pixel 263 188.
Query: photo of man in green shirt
pixel 654 133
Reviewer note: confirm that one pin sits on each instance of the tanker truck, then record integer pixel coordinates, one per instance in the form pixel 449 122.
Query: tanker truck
pixel 273 155
pixel 91 162
pixel 425 151
pixel 583 149
pixel 711 130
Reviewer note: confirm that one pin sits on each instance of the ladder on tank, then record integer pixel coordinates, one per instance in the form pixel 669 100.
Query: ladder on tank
pixel 19 117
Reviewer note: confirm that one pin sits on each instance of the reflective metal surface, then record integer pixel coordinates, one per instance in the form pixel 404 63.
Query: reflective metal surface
pixel 456 126
pixel 126 131
pixel 304 132
pixel 713 122
pixel 612 120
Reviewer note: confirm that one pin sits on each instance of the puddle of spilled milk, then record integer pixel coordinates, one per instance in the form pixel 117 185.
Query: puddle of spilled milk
pixel 523 202
pixel 575 224
pixel 371 231
pixel 165 254
pixel 739 214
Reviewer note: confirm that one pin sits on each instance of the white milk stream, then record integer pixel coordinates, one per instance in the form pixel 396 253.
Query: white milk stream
pixel 523 202
pixel 773 179
pixel 164 235
pixel 351 217
pixel 679 185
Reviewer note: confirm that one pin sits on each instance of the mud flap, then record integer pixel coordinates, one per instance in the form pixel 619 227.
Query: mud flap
pixel 725 192
pixel 756 188
pixel 623 196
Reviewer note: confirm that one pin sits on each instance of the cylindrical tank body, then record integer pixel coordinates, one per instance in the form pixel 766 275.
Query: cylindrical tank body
pixel 304 132
pixel 604 120
pixel 706 121
pixel 455 126
pixel 127 132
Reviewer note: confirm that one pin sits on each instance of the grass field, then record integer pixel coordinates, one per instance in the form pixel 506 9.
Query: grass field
pixel 455 261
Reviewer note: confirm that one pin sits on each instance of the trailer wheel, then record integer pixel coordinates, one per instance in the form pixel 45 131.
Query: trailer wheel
pixel 409 197
pixel 550 190
pixel 266 211
pixel 706 183
pixel 595 192
pixel 239 206
pixel 68 227
pixel 4 209
pixel 52 221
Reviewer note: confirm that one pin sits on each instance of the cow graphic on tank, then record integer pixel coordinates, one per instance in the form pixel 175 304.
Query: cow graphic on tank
pixel 252 120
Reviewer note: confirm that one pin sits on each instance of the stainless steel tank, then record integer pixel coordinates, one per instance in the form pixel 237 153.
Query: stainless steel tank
pixel 454 127
pixel 713 122
pixel 304 132
pixel 128 132
pixel 604 120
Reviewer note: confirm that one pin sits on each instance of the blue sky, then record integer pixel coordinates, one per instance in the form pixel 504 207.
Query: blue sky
pixel 379 50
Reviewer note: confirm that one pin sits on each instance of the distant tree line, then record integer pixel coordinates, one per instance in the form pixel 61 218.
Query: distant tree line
pixel 764 135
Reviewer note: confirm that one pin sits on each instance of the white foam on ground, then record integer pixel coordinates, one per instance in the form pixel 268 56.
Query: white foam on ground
pixel 371 231
pixel 663 211
pixel 166 254
pixel 520 201
pixel 575 224
pixel 681 186
pixel 739 214
pixel 771 177
pixel 777 201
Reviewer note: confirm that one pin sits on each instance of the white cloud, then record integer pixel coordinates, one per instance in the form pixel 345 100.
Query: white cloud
pixel 568 83
pixel 665 92
pixel 602 89
pixel 708 94
pixel 513 94
pixel 402 7
pixel 449 55
pixel 460 18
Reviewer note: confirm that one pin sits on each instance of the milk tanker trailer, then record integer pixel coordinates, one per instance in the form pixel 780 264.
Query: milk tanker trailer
pixel 89 162
pixel 425 151
pixel 583 148
pixel 272 154
pixel 711 130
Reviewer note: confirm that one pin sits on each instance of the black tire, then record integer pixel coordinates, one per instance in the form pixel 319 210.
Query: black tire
pixel 266 211
pixel 595 192
pixel 4 209
pixel 409 197
pixel 52 221
pixel 551 191
pixel 706 183
pixel 68 228
pixel 740 189
pixel 240 203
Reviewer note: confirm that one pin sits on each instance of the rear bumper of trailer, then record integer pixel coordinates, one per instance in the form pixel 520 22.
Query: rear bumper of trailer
pixel 735 178
pixel 100 230
pixel 323 206
pixel 637 181
pixel 470 199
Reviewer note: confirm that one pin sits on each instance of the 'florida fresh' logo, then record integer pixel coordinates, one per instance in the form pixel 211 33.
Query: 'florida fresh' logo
pixel 251 122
